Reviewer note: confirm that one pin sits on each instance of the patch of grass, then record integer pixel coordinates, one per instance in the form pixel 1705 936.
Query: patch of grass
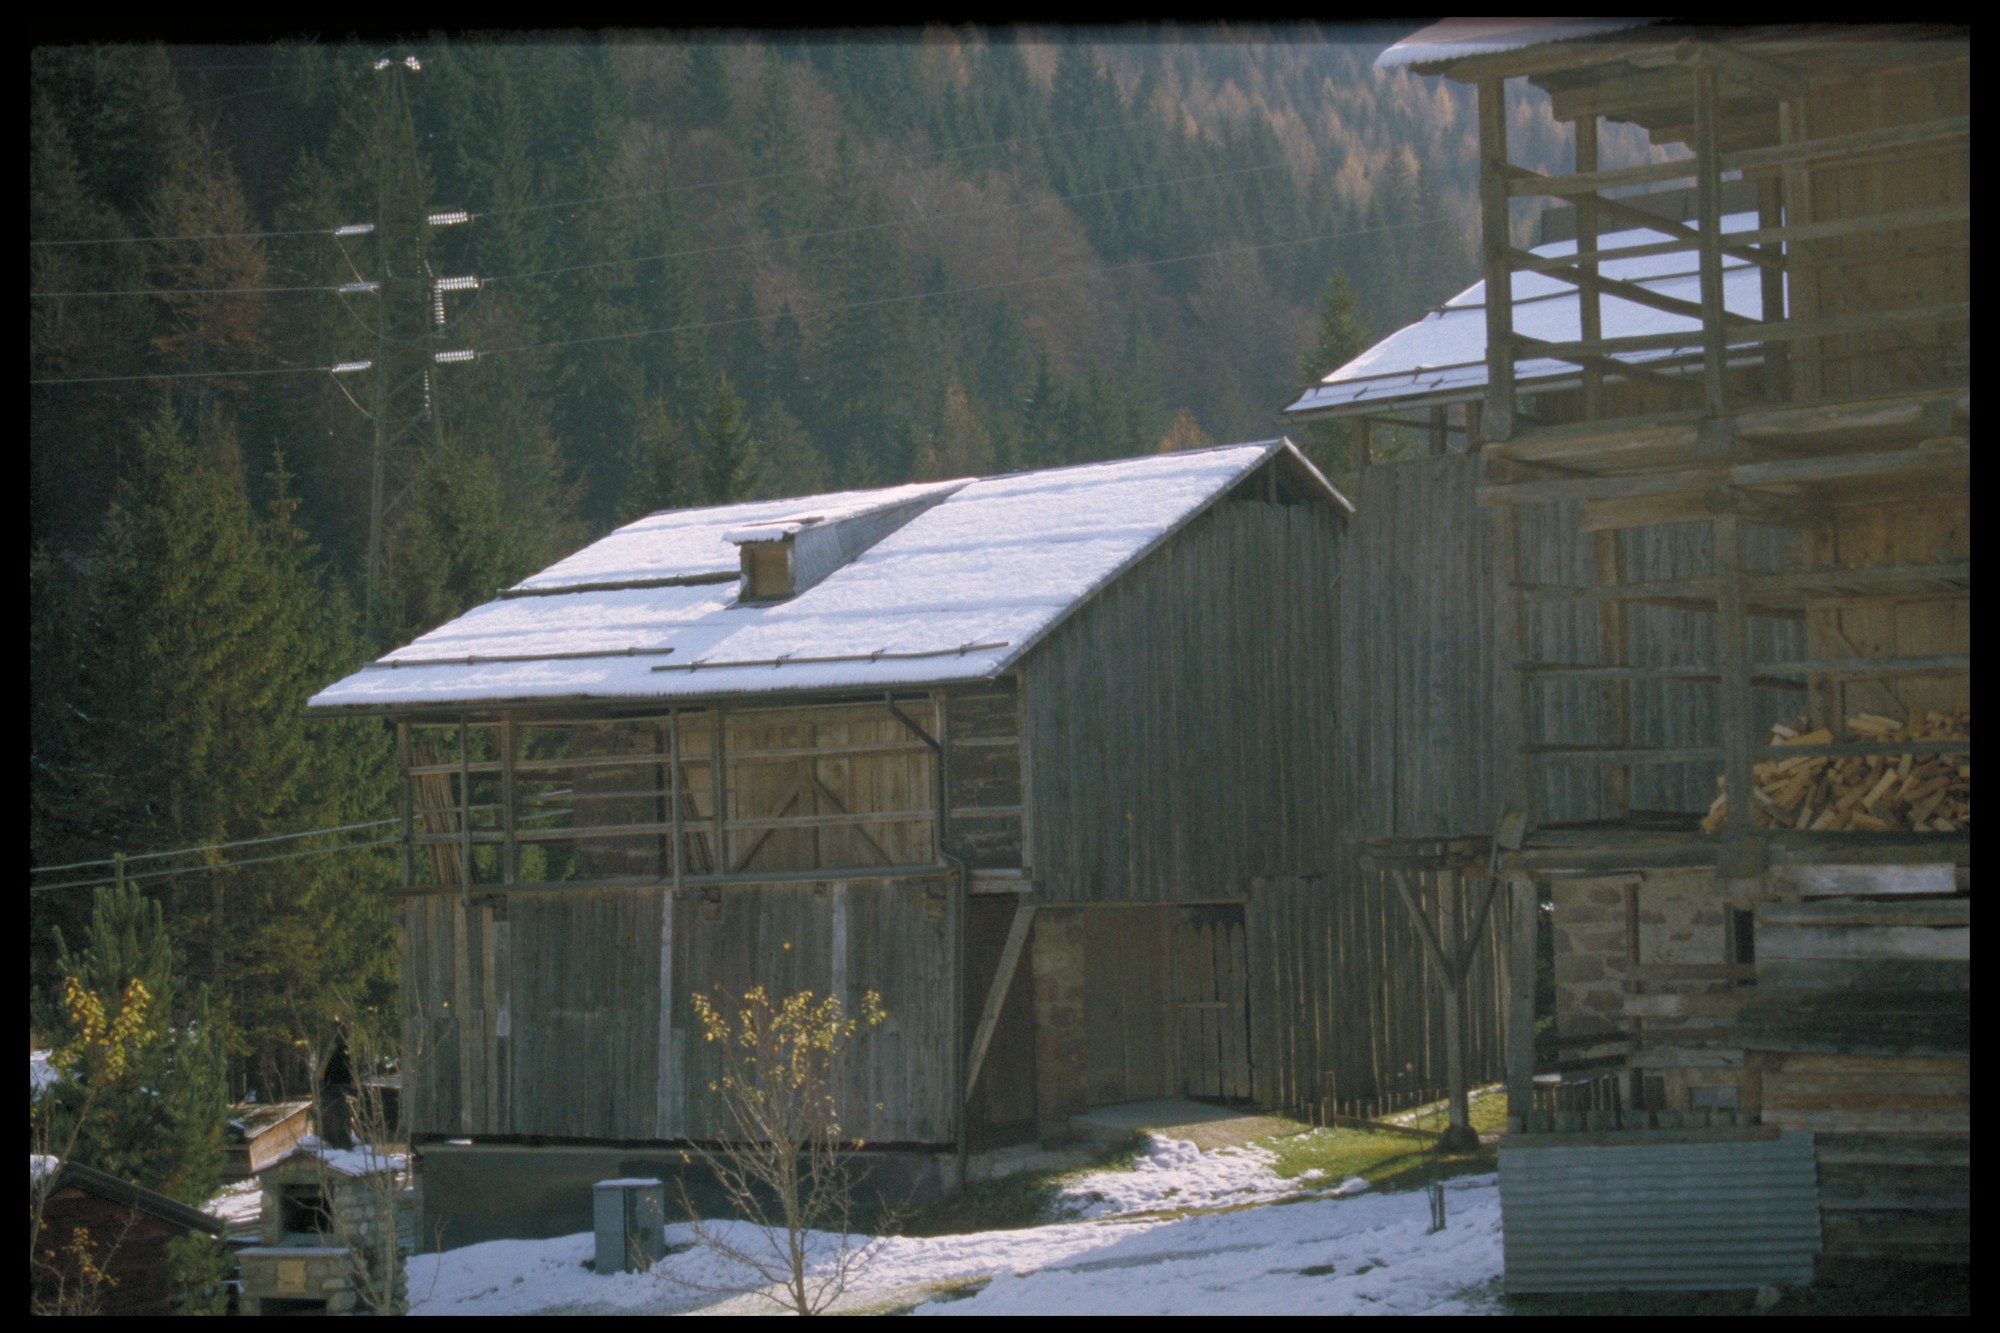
pixel 1387 1159
pixel 932 1293
pixel 1011 1203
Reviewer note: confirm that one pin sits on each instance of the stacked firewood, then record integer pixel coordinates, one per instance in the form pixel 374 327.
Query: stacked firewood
pixel 1880 793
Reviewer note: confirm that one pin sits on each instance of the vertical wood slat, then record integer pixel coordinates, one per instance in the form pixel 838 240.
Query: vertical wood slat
pixel 1590 304
pixel 1708 207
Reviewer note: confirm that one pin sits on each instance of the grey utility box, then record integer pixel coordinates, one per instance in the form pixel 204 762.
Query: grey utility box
pixel 631 1224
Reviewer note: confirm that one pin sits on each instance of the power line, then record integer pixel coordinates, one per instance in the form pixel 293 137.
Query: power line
pixel 1086 272
pixel 183 375
pixel 699 251
pixel 210 236
pixel 810 171
pixel 815 310
pixel 893 222
pixel 225 865
pixel 210 847
pixel 634 194
pixel 188 291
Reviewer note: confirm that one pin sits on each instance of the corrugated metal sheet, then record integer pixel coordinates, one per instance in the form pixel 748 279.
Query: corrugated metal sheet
pixel 1587 1214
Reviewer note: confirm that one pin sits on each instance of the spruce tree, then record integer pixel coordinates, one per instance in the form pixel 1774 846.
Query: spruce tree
pixel 1342 336
pixel 187 702
pixel 730 466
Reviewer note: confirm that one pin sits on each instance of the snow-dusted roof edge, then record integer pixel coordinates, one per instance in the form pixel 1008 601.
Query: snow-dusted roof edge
pixel 1272 449
pixel 1430 49
pixel 1267 452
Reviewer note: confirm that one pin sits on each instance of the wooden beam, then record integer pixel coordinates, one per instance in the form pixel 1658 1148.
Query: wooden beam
pixel 1590 308
pixel 1743 69
pixel 1424 927
pixel 1865 143
pixel 1586 279
pixel 1615 694
pixel 996 994
pixel 1525 917
pixel 1522 181
pixel 1496 238
pixel 1509 612
pixel 1600 366
pixel 1708 207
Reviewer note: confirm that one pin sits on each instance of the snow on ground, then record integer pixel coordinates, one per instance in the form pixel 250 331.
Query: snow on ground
pixel 1183 1232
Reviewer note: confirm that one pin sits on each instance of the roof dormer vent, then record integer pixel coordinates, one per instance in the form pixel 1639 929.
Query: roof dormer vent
pixel 782 557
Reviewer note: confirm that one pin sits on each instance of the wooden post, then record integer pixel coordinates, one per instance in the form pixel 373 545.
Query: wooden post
pixel 1495 240
pixel 1708 207
pixel 1771 213
pixel 996 994
pixel 464 815
pixel 1362 441
pixel 403 763
pixel 1616 692
pixel 680 835
pixel 1589 303
pixel 1526 921
pixel 1438 431
pixel 1517 767
pixel 1458 1135
pixel 510 848
pixel 1732 645
pixel 717 790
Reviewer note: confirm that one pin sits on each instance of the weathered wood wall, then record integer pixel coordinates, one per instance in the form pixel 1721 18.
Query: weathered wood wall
pixel 1861 1021
pixel 1347 1010
pixel 1180 729
pixel 983 762
pixel 1935 529
pixel 1881 270
pixel 543 1017
pixel 1422 678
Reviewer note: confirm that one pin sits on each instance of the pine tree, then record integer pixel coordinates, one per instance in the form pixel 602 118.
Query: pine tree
pixel 143 1095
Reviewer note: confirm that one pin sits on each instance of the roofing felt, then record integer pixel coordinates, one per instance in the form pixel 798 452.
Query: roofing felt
pixel 1443 355
pixel 1454 39
pixel 957 593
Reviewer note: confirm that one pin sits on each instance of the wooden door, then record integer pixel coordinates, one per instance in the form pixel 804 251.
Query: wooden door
pixel 1211 1009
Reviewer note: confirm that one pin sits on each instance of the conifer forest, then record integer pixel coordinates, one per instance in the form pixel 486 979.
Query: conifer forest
pixel 328 342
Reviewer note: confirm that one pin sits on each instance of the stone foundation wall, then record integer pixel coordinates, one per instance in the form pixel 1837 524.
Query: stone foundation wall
pixel 1605 926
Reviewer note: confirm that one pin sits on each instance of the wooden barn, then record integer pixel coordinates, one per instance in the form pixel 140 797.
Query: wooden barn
pixel 1719 634
pixel 1054 762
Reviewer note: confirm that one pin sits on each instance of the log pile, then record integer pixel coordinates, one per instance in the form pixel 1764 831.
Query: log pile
pixel 1878 793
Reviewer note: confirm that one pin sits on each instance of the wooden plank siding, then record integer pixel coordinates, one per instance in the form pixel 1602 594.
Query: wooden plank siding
pixel 1349 1015
pixel 1422 676
pixel 541 1018
pixel 1182 726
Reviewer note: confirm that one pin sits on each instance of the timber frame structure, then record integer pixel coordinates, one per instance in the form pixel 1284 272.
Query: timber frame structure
pixel 1105 850
pixel 1697 533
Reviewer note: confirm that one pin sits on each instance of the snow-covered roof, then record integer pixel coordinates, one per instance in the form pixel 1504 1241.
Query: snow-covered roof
pixel 958 592
pixel 355 1162
pixel 1442 357
pixel 1454 39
